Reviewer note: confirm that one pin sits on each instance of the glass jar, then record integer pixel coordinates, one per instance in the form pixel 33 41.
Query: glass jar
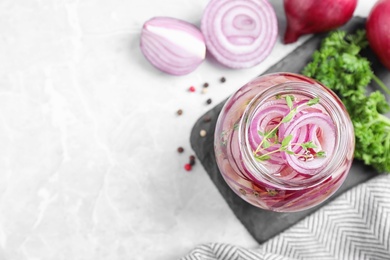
pixel 284 142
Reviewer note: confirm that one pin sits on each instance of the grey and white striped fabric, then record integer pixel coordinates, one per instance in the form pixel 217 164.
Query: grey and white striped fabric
pixel 356 225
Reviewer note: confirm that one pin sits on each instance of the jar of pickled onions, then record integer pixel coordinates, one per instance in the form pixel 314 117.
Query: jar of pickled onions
pixel 284 142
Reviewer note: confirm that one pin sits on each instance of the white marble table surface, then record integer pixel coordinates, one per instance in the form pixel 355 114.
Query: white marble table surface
pixel 89 132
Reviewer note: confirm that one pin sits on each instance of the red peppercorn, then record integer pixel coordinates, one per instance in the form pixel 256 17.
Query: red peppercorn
pixel 192 89
pixel 188 167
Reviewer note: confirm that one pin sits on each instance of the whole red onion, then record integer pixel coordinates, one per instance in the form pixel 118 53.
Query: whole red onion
pixel 378 31
pixel 314 16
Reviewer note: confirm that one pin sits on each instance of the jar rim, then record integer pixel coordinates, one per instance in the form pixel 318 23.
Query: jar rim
pixel 334 108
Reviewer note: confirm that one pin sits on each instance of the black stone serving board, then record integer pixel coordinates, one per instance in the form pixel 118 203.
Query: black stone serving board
pixel 262 224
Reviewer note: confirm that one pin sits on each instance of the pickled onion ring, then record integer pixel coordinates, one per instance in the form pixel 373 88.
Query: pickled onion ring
pixel 262 120
pixel 327 135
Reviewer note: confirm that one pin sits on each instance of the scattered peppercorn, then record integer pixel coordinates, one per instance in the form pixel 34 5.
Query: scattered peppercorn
pixel 179 112
pixel 242 191
pixel 223 79
pixel 202 133
pixel 206 119
pixel 192 89
pixel 206 85
pixel 192 160
pixel 180 149
pixel 208 101
pixel 188 167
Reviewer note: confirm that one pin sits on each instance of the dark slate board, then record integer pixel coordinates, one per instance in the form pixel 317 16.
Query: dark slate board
pixel 262 224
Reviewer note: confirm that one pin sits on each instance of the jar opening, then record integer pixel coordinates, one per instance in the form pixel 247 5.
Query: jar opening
pixel 290 135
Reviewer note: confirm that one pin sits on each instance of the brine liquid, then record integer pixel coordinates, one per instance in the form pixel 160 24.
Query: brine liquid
pixel 289 182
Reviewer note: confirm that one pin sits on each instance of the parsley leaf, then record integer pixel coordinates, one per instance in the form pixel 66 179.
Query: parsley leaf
pixel 339 66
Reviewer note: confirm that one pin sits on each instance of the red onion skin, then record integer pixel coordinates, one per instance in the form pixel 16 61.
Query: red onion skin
pixel 315 16
pixel 378 31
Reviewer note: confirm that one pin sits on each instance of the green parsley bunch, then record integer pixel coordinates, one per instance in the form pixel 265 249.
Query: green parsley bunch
pixel 339 65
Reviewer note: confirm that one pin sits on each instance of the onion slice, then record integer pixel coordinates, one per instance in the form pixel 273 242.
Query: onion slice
pixel 172 45
pixel 264 121
pixel 326 141
pixel 239 33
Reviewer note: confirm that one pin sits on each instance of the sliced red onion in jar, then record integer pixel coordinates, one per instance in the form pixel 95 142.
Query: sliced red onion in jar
pixel 302 136
pixel 172 45
pixel 235 156
pixel 325 137
pixel 263 121
pixel 266 120
pixel 239 33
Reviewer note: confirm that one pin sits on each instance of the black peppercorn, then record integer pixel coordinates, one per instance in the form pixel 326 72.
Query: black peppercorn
pixel 192 160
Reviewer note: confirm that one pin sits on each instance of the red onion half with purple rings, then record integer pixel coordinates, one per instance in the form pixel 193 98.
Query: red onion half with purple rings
pixel 239 33
pixel 172 45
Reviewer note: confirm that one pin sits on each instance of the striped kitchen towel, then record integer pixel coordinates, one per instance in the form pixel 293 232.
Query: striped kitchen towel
pixel 356 225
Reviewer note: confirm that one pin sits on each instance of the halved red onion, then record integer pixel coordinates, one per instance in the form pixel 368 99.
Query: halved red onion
pixel 172 45
pixel 326 141
pixel 239 33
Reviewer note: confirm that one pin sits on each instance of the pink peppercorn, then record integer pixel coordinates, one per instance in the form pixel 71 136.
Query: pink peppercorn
pixel 188 167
